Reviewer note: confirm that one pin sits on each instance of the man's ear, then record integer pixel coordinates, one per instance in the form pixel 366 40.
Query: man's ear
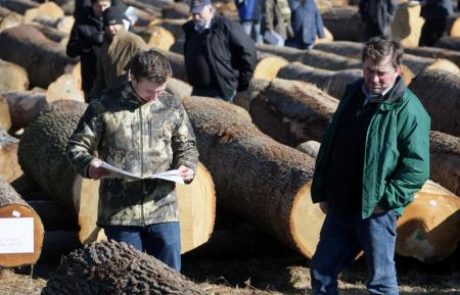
pixel 130 76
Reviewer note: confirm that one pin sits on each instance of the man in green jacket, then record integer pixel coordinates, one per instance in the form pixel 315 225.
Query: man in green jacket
pixel 374 157
pixel 141 129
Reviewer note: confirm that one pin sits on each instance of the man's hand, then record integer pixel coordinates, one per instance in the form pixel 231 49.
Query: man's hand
pixel 324 207
pixel 95 171
pixel 186 173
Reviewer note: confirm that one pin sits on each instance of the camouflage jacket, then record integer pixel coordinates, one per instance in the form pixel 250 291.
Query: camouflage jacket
pixel 142 138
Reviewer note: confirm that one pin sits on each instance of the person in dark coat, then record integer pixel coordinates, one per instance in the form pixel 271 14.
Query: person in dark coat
pixel 219 56
pixel 250 13
pixel 435 13
pixel 88 31
pixel 306 22
pixel 377 16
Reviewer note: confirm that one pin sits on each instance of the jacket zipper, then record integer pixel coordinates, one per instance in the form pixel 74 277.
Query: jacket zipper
pixel 141 153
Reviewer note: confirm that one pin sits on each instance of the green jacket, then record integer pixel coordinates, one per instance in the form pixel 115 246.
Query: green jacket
pixel 141 138
pixel 396 161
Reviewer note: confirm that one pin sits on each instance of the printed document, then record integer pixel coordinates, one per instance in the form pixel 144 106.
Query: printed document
pixel 171 175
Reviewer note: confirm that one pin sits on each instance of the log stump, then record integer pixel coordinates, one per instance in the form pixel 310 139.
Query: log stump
pixel 10 170
pixel 24 107
pixel 13 206
pixel 13 77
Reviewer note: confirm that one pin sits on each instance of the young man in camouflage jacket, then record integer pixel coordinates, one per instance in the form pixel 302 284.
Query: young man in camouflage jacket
pixel 141 129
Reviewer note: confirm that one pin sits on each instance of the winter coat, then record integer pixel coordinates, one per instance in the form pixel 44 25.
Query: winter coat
pixel 249 10
pixel 278 18
pixel 142 138
pixel 378 14
pixel 306 21
pixel 396 161
pixel 231 54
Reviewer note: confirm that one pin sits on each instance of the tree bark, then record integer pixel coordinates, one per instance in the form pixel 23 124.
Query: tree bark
pixel 5 117
pixel 13 77
pixel 10 169
pixel 445 160
pixel 115 268
pixel 9 19
pixel 43 59
pixel 433 52
pixel 46 13
pixel 42 154
pixel 344 23
pixel 439 92
pixel 13 206
pixel 261 180
pixel 20 6
pixel 178 88
pixel 244 98
pixel 24 107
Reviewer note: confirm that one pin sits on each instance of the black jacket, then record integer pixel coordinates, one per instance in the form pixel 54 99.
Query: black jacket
pixel 231 54
pixel 378 14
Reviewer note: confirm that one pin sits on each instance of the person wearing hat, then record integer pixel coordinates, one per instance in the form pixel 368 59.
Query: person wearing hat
pixel 88 32
pixel 219 56
pixel 118 48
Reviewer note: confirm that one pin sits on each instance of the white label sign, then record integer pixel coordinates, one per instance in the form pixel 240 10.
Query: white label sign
pixel 16 235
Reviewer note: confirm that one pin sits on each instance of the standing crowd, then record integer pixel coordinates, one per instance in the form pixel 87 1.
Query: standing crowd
pixel 373 158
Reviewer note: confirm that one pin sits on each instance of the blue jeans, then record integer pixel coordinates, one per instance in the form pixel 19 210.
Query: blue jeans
pixel 252 28
pixel 341 239
pixel 159 240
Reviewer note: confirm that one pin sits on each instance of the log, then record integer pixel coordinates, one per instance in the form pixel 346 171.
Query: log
pixel 42 155
pixel 160 38
pixel 43 59
pixel 14 77
pixel 292 112
pixel 445 160
pixel 452 43
pixel 13 206
pixel 48 13
pixel 332 82
pixel 407 24
pixel 9 19
pixel 453 25
pixel 53 34
pixel 439 92
pixel 433 52
pixel 310 147
pixel 5 117
pixel 329 61
pixel 176 10
pixel 288 53
pixel 24 107
pixel 259 179
pixel 268 66
pixel 177 64
pixel 10 170
pixel 243 99
pixel 178 88
pixel 344 23
pixel 66 87
pixel 114 268
pixel 19 6
pixel 172 25
pixel 429 229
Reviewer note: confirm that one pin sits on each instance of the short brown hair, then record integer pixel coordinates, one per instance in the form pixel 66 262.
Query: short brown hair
pixel 377 48
pixel 150 65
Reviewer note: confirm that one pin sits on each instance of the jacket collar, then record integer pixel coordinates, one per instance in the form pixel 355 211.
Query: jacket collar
pixel 392 97
pixel 130 95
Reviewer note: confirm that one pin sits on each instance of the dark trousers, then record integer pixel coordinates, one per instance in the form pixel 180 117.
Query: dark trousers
pixel 159 240
pixel 342 238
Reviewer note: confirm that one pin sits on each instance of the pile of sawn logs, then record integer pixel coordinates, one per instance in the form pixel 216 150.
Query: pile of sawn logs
pixel 249 150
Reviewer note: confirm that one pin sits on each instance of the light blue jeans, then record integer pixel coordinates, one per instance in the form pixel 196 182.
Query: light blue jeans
pixel 159 240
pixel 341 239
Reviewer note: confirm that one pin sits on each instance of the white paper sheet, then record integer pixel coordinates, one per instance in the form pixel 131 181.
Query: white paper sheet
pixel 171 175
pixel 16 235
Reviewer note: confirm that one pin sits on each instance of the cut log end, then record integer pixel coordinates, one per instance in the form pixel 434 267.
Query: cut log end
pixel 267 68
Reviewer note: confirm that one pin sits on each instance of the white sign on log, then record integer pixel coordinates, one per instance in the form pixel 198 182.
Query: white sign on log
pixel 16 235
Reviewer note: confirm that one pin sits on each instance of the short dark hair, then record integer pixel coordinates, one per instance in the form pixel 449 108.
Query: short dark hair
pixel 150 65
pixel 377 48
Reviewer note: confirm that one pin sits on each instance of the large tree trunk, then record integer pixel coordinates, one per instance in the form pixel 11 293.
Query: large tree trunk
pixel 288 53
pixel 432 52
pixel 445 160
pixel 452 43
pixel 12 77
pixel 344 23
pixel 42 154
pixel 10 169
pixel 43 59
pixel 24 107
pixel 115 268
pixel 439 91
pixel 13 206
pixel 407 25
pixel 332 82
pixel 292 112
pixel 261 180
pixel 429 229
pixel 244 98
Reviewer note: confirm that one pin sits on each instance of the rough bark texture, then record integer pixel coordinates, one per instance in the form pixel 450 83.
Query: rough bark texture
pixel 12 77
pixel 178 88
pixel 329 61
pixel 43 59
pixel 115 268
pixel 439 92
pixel 288 53
pixel 433 52
pixel 344 23
pixel 445 160
pixel 261 180
pixel 244 98
pixel 429 229
pixel 332 82
pixel 13 206
pixel 292 112
pixel 10 169
pixel 452 43
pixel 42 154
